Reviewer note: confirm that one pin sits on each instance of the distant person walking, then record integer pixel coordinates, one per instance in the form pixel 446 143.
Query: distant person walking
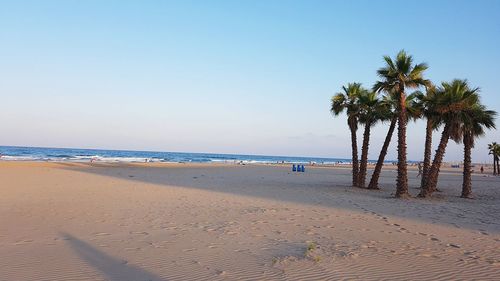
pixel 482 169
pixel 419 169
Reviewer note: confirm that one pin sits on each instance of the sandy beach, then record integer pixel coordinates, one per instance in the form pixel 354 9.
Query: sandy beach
pixel 76 221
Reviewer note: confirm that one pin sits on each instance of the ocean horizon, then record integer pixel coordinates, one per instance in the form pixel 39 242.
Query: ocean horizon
pixel 26 153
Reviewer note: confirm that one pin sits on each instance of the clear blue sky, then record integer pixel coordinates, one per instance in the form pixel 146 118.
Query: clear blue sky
pixel 250 77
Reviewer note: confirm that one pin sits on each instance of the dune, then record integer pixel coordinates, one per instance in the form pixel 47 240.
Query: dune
pixel 80 221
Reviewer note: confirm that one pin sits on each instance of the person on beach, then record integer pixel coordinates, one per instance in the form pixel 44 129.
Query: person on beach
pixel 419 169
pixel 482 169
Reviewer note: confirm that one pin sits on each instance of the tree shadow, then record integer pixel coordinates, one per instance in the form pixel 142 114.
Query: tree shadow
pixel 113 269
pixel 318 186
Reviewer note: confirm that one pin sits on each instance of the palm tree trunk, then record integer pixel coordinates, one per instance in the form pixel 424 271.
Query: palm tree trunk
pixel 498 166
pixel 402 179
pixel 364 156
pixel 427 153
pixel 354 144
pixel 494 165
pixel 433 174
pixel 380 162
pixel 467 185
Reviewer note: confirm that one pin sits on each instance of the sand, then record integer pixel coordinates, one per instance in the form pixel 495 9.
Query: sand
pixel 67 221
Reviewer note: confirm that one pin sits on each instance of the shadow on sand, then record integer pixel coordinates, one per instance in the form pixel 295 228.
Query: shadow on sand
pixel 113 269
pixel 317 187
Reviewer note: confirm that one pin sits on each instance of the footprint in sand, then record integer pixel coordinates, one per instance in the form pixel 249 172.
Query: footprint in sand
pixel 22 242
pixel 139 232
pixel 493 262
pixel 220 272
pixel 195 262
pixel 241 250
pixel 470 254
pixel 423 254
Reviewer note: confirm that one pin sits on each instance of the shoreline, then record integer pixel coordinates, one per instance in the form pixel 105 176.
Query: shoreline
pixel 446 166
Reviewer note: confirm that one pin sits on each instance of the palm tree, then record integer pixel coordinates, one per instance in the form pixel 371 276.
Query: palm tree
pixel 397 76
pixel 348 100
pixel 427 103
pixel 496 152
pixel 493 148
pixel 388 112
pixel 473 123
pixel 370 113
pixel 455 98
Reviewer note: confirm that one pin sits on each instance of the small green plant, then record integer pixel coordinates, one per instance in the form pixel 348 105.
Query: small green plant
pixel 311 246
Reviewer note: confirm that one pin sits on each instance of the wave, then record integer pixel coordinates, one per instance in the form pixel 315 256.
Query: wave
pixel 114 159
pixel 19 158
pixel 80 158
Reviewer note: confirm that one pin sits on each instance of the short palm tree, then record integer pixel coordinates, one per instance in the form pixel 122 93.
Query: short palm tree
pixel 388 112
pixel 473 121
pixel 347 100
pixel 397 76
pixel 427 103
pixel 494 150
pixel 455 98
pixel 371 111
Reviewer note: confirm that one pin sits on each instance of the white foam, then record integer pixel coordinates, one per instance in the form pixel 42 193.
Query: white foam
pixel 19 158
pixel 120 159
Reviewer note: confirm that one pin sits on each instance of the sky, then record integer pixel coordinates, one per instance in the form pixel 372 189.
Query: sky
pixel 245 77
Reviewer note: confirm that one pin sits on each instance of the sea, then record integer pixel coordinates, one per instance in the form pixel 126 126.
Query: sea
pixel 20 153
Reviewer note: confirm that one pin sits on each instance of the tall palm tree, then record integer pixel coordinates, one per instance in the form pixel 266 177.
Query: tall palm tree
pixel 456 98
pixel 388 112
pixel 347 100
pixel 493 147
pixel 473 123
pixel 370 113
pixel 397 76
pixel 427 103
